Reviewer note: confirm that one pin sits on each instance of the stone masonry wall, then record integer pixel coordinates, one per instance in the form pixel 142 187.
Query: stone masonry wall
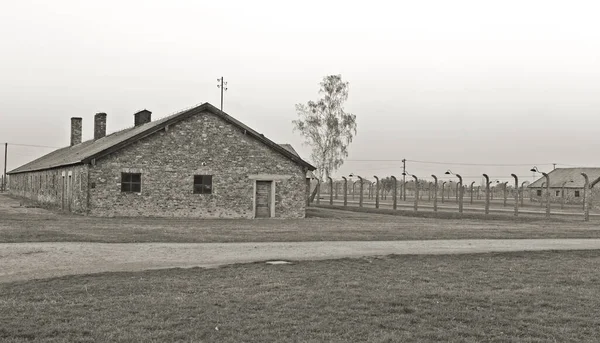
pixel 202 144
pixel 50 188
pixel 570 197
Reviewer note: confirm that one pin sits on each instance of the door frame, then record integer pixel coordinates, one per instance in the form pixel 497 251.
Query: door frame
pixel 271 200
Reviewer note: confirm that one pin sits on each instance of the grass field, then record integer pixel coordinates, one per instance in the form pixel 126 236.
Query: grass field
pixel 18 224
pixel 517 297
pixel 322 225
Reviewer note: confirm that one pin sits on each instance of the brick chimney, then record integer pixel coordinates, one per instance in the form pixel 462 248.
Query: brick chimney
pixel 142 117
pixel 99 125
pixel 75 131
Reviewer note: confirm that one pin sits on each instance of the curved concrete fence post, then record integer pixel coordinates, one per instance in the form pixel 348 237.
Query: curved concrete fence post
pixel 586 207
pixel 443 187
pixel 416 193
pixel 487 194
pixel 345 191
pixel 376 192
pixel 523 193
pixel 535 170
pixel 472 184
pixel 516 194
pixel 435 185
pixel 542 197
pixel 330 190
pixel 337 189
pixel 591 195
pixel 563 195
pixel 395 188
pixel 547 194
pixel 460 193
pixel 459 190
pixel 360 195
pixel 429 191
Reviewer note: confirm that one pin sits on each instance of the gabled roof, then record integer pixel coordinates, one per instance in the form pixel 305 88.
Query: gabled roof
pixel 94 149
pixel 289 148
pixel 559 176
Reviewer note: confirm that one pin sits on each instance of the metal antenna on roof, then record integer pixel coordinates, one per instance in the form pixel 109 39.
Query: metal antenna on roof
pixel 223 85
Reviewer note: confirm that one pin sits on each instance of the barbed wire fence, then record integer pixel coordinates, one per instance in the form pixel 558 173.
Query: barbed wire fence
pixel 448 191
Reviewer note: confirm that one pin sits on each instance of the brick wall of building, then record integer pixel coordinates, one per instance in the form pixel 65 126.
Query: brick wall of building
pixel 570 196
pixel 199 145
pixel 51 189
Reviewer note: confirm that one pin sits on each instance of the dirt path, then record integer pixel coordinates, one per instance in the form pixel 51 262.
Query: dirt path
pixel 24 261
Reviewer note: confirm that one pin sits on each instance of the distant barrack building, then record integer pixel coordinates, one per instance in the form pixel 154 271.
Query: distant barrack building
pixel 200 162
pixel 568 180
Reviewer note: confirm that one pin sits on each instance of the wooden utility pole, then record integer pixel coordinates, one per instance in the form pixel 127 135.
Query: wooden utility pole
pixel 223 86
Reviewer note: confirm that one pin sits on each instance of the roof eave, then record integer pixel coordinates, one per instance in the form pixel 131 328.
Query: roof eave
pixel 15 171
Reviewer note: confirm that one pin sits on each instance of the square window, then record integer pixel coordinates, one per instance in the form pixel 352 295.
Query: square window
pixel 557 193
pixel 202 184
pixel 577 194
pixel 539 192
pixel 131 182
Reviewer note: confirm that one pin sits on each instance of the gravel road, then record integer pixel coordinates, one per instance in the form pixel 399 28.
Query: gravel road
pixel 26 261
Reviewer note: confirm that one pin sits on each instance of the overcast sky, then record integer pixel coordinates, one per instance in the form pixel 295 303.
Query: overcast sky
pixel 481 82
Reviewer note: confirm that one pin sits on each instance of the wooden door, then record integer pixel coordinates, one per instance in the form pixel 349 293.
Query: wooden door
pixel 263 199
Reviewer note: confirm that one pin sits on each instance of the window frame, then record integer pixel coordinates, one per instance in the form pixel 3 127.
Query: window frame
pixel 577 194
pixel 127 186
pixel 205 186
pixel 539 193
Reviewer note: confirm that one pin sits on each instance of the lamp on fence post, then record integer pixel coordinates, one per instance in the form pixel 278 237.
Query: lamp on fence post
pixel 395 184
pixel 562 200
pixel 459 190
pixel 487 193
pixel 535 170
pixel 376 192
pixel 435 184
pixel 516 194
pixel 330 190
pixel 345 191
pixel 472 184
pixel 443 186
pixel 360 195
pixel 416 206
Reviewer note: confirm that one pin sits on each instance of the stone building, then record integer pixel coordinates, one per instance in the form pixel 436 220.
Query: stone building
pixel 199 162
pixel 568 179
